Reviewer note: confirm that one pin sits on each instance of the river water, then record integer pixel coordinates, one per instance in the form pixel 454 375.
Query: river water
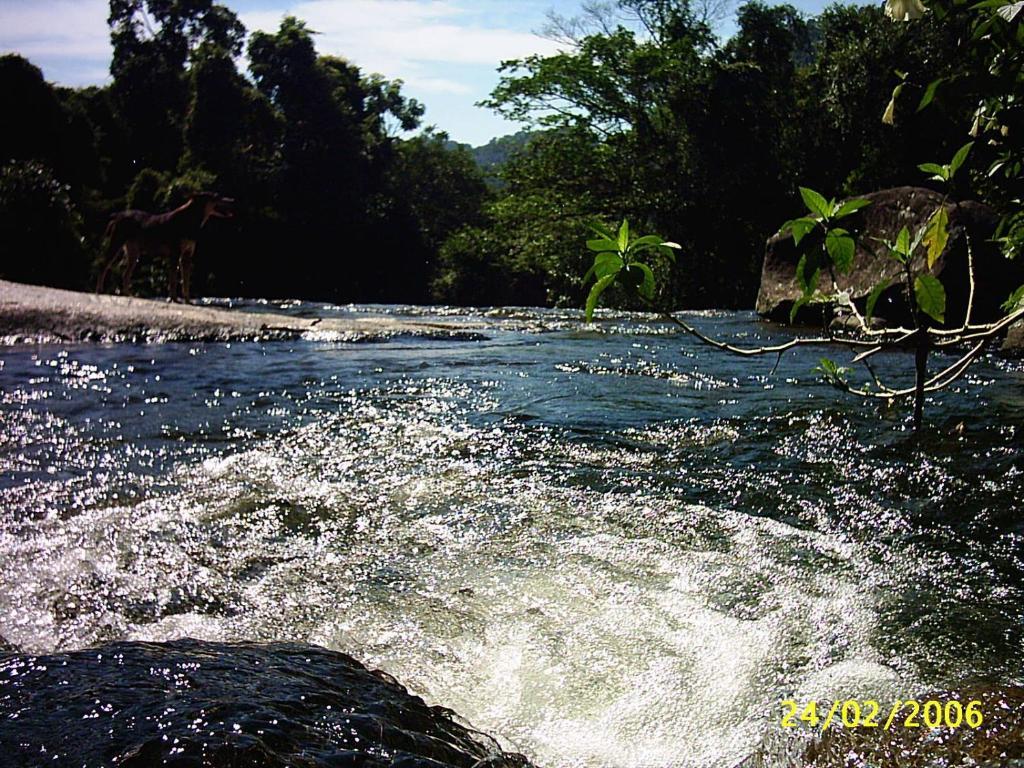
pixel 606 546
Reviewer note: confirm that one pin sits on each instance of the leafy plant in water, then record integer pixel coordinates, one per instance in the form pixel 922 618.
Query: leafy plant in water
pixel 838 244
pixel 998 40
pixel 619 259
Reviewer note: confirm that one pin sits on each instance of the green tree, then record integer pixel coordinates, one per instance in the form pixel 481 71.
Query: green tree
pixel 152 41
pixel 443 188
pixel 336 142
pixel 862 57
pixel 40 228
pixel 833 251
pixel 529 230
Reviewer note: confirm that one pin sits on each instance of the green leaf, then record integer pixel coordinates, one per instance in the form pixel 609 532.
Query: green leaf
pixel 874 296
pixel 1015 302
pixel 815 203
pixel 602 244
pixel 938 172
pixel 797 305
pixel 1011 10
pixel 600 229
pixel 624 236
pixel 595 294
pixel 669 249
pixel 903 243
pixel 959 157
pixel 889 115
pixel 607 264
pixel 808 282
pixel 980 30
pixel 646 241
pixel 936 234
pixel 930 297
pixel 832 373
pixel 841 248
pixel 850 206
pixel 929 93
pixel 918 239
pixel 799 228
pixel 649 242
pixel 646 286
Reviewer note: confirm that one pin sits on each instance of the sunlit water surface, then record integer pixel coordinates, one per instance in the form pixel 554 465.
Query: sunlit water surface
pixel 607 547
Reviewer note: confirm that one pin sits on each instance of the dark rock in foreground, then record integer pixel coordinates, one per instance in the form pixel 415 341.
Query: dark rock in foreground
pixel 891 209
pixel 192 703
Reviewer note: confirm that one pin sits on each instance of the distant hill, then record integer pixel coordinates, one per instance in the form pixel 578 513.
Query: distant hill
pixel 495 153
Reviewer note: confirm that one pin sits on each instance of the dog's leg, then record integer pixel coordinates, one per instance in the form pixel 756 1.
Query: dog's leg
pixel 131 250
pixel 188 250
pixel 169 261
pixel 112 256
pixel 112 252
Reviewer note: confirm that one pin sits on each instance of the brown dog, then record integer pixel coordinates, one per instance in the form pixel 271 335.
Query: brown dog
pixel 169 236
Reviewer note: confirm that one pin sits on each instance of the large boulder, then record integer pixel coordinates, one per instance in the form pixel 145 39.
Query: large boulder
pixel 1013 344
pixel 891 209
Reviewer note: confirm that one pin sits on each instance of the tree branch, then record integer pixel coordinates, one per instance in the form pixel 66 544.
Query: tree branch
pixel 773 349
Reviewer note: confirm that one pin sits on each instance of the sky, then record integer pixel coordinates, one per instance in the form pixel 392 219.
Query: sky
pixel 446 51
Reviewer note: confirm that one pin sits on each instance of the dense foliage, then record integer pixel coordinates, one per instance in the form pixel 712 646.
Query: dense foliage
pixel 648 116
pixel 826 248
pixel 644 115
pixel 331 203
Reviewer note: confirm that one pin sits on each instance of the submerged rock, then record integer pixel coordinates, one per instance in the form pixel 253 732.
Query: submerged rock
pixel 891 209
pixel 193 703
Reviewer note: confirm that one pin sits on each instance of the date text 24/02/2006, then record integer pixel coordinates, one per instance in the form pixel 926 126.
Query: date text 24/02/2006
pixel 868 713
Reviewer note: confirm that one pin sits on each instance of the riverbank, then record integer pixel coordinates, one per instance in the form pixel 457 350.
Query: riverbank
pixel 32 313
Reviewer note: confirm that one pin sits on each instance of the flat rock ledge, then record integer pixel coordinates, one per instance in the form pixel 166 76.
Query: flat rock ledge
pixel 34 314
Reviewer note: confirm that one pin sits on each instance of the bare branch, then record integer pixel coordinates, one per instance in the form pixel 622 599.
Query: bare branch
pixel 863 356
pixel 596 17
pixel 970 277
pixel 937 382
pixel 773 349
pixel 985 332
pixel 712 12
pixel 565 30
pixel 875 379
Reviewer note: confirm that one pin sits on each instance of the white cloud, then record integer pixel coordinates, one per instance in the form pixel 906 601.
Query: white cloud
pixel 67 29
pixel 397 37
pixel 437 85
pixel 446 51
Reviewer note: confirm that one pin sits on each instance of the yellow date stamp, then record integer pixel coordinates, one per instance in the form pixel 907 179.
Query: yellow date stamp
pixel 868 713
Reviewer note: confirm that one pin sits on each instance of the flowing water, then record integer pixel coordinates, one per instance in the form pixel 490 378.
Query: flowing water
pixel 607 547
